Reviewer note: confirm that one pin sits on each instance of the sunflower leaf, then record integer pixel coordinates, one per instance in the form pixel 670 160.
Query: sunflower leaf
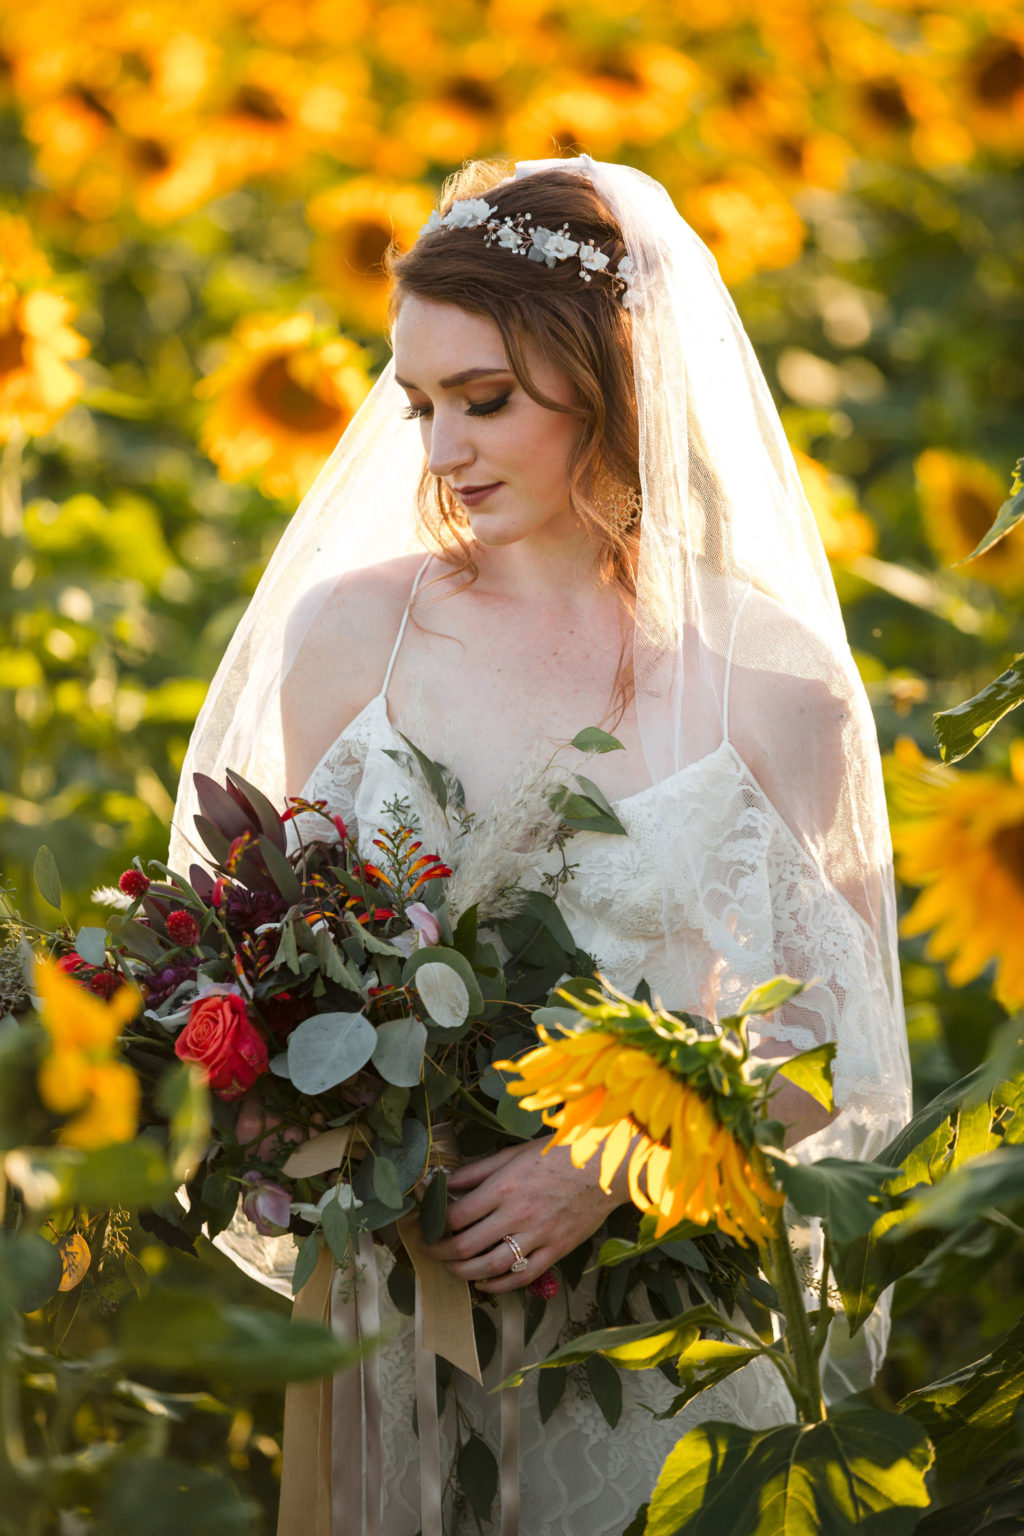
pixel 1008 516
pixel 812 1071
pixel 959 730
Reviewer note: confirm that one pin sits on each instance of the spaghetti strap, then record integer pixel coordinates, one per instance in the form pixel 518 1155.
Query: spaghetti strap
pixel 401 629
pixel 728 664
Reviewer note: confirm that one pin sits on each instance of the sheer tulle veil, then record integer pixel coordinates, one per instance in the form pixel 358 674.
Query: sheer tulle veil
pixel 739 648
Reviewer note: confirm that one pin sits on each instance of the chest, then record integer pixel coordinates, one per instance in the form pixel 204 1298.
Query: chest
pixel 489 688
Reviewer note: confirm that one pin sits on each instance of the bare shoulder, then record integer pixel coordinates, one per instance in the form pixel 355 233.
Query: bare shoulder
pixel 338 641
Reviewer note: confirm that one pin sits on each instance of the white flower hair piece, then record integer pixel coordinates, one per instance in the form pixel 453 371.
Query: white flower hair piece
pixel 517 235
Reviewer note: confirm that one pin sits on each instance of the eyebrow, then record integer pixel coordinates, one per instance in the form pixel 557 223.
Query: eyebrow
pixel 455 379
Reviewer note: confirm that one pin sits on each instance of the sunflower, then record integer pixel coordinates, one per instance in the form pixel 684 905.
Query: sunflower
pixel 959 499
pixel 281 401
pixel 960 836
pixel 991 88
pixel 81 1075
pixel 357 221
pixel 618 1098
pixel 36 384
pixel 845 532
pixel 747 221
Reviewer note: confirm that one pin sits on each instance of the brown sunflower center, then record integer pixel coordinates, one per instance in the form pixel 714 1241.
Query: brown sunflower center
pixel 150 157
pixel 973 512
pixel 12 351
pixel 999 73
pixel 295 407
pixel 253 101
pixel 365 242
pixel 1008 852
pixel 473 95
pixel 886 103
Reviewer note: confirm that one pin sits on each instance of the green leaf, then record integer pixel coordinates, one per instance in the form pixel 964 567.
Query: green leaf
pixel 385 1183
pixel 998 1510
pixel 305 1261
pixel 47 876
pixel 1008 516
pixel 433 773
pixel 994 1181
pixel 769 996
pixel 849 1195
pixel 440 954
pixel 971 1416
pixel 619 1250
pixel 30 1271
pixel 584 814
pixel 281 872
pixel 163 1497
pixel 478 1475
pixel 130 935
pixel 592 739
pixel 550 1388
pixel 91 944
pixel 185 1331
pixel 637 1346
pixel 132 1174
pixel 519 1122
pixel 328 1048
pixel 434 1208
pixel 825 1479
pixel 334 1224
pixel 812 1071
pixel 606 1385
pixel 960 729
pixel 398 1053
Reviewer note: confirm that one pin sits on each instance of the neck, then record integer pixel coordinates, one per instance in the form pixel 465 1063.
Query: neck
pixel 553 564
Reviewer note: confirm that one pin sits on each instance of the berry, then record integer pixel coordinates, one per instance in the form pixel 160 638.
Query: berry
pixel 134 883
pixel 545 1286
pixel 182 928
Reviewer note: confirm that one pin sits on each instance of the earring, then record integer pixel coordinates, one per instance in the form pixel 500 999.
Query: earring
pixel 618 505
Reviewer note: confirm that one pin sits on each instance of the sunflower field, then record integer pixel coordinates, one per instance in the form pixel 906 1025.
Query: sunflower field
pixel 194 207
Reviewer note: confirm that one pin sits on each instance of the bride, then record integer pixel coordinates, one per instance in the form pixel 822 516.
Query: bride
pixel 594 520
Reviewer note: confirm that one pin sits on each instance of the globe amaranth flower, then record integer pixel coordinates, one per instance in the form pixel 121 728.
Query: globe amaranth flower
pixel 134 883
pixel 600 1093
pixel 182 928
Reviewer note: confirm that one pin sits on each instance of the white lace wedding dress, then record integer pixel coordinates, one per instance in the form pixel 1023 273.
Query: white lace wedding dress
pixel 578 1477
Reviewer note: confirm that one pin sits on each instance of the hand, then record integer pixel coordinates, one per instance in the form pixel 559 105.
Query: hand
pixel 258 1124
pixel 537 1197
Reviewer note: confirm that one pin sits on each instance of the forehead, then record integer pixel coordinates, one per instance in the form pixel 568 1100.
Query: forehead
pixel 432 341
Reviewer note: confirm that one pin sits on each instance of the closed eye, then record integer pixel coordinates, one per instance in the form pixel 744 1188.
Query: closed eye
pixel 483 408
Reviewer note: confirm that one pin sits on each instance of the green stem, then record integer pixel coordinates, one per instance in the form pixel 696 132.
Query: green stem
pixel 799 1345
pixel 824 1310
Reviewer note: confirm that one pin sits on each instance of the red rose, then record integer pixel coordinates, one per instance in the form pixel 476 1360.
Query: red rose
pixel 71 963
pixel 221 1038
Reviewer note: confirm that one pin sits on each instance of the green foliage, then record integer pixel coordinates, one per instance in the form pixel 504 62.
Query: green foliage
pixel 826 1479
pixel 959 730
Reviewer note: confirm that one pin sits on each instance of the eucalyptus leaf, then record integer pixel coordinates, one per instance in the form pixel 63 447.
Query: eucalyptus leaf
pixel 385 1183
pixel 398 1053
pixel 960 729
pixel 47 876
pixel 334 1224
pixel 826 1479
pixel 30 1270
pixel 550 1389
pixel 91 944
pixel 434 1208
pixel 305 1261
pixel 606 1385
pixel 478 1475
pixel 329 1048
pixel 440 954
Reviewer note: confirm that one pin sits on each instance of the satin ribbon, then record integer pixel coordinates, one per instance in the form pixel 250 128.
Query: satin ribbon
pixel 331 1474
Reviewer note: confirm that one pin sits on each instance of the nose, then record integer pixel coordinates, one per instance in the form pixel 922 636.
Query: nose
pixel 447 444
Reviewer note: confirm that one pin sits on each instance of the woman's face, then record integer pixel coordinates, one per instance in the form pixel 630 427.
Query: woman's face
pixel 505 458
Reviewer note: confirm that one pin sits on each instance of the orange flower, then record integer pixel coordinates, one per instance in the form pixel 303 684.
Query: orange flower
pixel 36 384
pixel 845 532
pixel 960 836
pixel 616 1097
pixel 357 222
pixel 280 402
pixel 960 497
pixel 749 225
pixel 81 1076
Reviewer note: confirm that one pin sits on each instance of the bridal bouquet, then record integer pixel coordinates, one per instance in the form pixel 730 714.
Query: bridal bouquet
pixel 346 1025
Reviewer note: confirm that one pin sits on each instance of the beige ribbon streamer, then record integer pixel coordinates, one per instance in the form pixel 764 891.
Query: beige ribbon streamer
pixel 331 1478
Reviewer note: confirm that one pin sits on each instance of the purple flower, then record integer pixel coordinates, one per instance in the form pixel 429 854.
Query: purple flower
pixel 266 1205
pixel 251 909
pixel 159 985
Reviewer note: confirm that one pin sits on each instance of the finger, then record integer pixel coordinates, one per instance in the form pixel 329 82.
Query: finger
pixel 468 1209
pixel 469 1175
pixel 472 1240
pixel 537 1264
pixel 490 1266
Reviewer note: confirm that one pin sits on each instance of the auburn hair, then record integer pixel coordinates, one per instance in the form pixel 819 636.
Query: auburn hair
pixel 581 328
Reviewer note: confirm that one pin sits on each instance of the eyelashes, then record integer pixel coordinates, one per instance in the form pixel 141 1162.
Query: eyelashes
pixel 484 408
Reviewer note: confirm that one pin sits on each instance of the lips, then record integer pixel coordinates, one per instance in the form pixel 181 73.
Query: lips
pixel 472 495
